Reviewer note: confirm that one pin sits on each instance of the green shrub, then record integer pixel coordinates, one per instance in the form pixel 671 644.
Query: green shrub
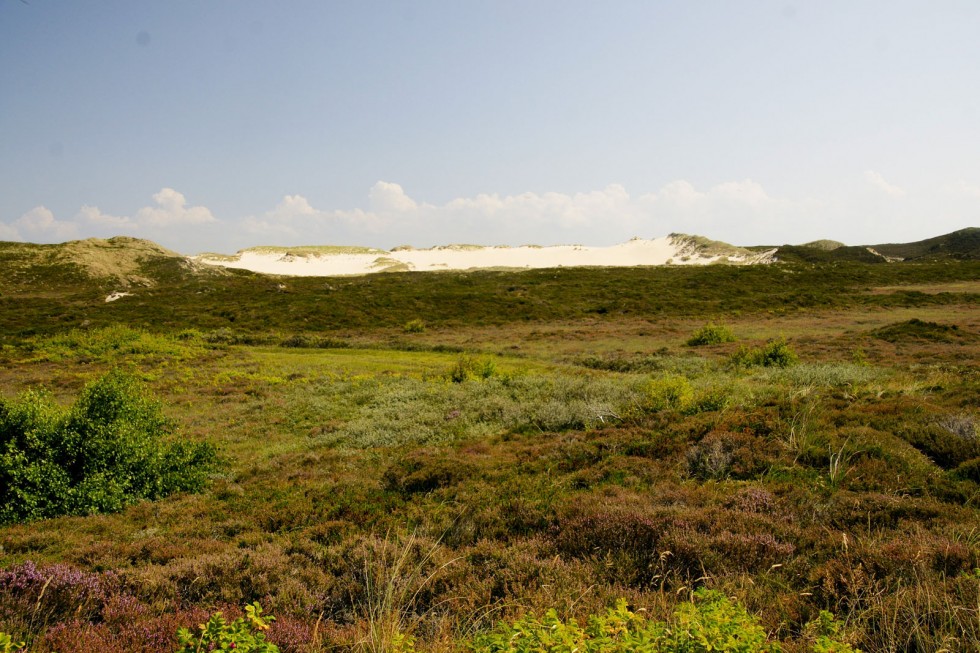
pixel 102 454
pixel 467 368
pixel 670 391
pixel 775 354
pixel 245 634
pixel 711 334
pixel 824 631
pixel 414 326
pixel 8 645
pixel 710 623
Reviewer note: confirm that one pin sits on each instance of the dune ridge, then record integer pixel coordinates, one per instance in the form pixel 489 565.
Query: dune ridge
pixel 675 249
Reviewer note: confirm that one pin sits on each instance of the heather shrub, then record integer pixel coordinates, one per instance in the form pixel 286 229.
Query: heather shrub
pixel 969 470
pixel 721 454
pixel 32 597
pixel 105 452
pixel 947 447
pixel 423 471
pixel 711 334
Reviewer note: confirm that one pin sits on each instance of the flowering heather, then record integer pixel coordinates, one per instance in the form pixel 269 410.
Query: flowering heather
pixel 34 596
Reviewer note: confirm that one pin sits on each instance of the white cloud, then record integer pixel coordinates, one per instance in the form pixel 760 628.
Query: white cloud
pixel 293 206
pixel 879 182
pixel 745 192
pixel 679 193
pixel 386 197
pixel 171 210
pixel 605 216
pixel 9 232
pixel 39 223
pixel 93 215
pixel 741 212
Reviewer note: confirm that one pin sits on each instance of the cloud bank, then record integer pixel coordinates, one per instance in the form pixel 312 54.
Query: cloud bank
pixel 740 212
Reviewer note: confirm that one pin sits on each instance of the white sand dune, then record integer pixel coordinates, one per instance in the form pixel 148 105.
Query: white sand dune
pixel 675 249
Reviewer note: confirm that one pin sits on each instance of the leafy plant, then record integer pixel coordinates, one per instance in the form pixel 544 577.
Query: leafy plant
pixel 824 631
pixel 102 454
pixel 245 634
pixel 710 623
pixel 8 645
pixel 711 334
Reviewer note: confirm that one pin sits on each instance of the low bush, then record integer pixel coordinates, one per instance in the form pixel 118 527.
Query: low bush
pixel 775 354
pixel 245 635
pixel 710 623
pixel 916 329
pixel 107 451
pixel 945 446
pixel 669 392
pixel 467 368
pixel 414 326
pixel 711 334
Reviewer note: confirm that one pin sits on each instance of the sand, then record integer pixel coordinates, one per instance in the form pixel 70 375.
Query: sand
pixel 669 250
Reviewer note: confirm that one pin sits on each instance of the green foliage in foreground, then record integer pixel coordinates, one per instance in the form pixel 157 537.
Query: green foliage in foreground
pixel 245 635
pixel 103 453
pixel 711 334
pixel 710 623
pixel 8 645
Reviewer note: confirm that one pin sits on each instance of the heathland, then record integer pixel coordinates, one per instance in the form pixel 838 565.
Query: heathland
pixel 409 460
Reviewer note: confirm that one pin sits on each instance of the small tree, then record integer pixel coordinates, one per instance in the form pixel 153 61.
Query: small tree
pixel 107 451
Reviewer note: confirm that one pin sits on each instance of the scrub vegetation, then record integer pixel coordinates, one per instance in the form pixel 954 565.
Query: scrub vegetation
pixel 544 461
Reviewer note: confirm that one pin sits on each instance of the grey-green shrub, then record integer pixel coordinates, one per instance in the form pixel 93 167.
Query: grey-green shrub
pixel 105 452
pixel 402 410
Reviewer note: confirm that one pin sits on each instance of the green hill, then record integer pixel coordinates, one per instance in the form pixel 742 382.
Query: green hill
pixel 961 245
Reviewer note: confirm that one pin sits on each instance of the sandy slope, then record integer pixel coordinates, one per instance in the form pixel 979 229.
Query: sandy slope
pixel 673 250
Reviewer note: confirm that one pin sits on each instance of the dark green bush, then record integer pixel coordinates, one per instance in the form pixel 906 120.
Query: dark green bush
pixel 916 329
pixel 102 454
pixel 946 446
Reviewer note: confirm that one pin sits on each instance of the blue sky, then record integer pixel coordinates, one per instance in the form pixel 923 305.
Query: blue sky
pixel 224 124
